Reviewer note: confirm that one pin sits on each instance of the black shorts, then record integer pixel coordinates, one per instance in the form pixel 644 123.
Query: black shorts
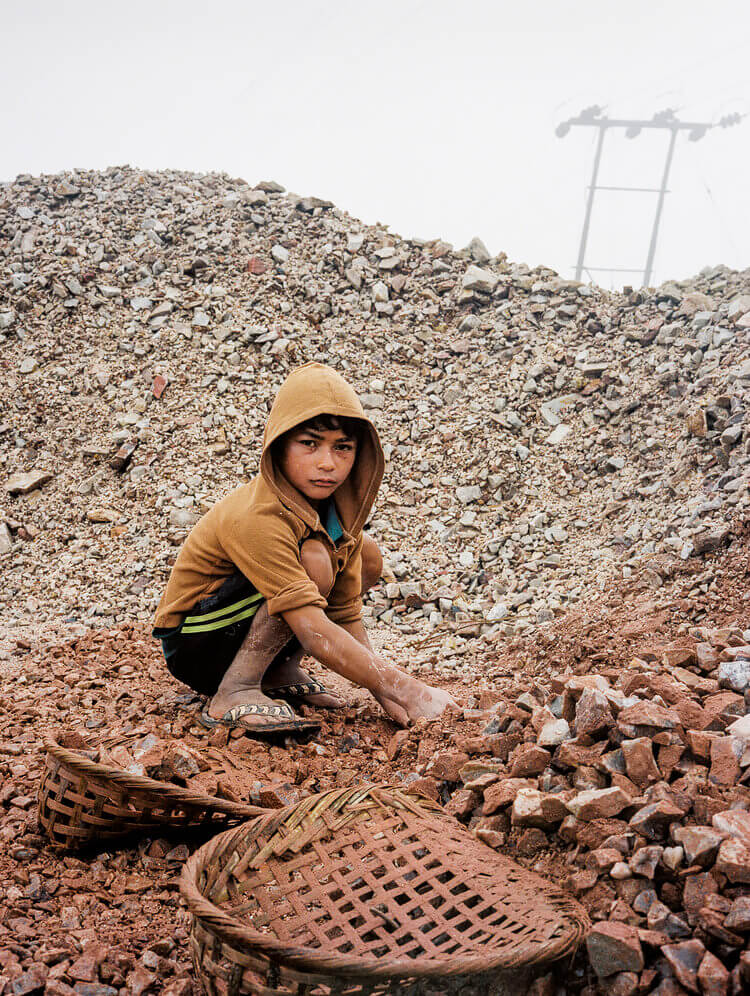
pixel 199 651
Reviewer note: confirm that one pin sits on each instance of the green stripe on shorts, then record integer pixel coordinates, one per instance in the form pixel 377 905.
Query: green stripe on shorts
pixel 234 607
pixel 197 624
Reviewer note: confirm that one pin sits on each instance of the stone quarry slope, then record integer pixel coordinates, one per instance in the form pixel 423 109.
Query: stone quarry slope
pixel 544 438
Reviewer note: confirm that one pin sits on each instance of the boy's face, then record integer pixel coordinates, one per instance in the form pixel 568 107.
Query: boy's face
pixel 316 461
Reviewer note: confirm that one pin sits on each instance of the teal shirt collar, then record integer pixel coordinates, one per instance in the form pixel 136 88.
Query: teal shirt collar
pixel 332 523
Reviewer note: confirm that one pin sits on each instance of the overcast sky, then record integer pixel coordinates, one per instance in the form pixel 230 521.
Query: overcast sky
pixel 436 118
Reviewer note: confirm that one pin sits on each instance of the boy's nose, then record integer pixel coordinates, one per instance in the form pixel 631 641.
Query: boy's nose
pixel 326 460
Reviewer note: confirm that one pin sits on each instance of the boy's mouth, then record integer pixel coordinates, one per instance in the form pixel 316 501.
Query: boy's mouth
pixel 323 483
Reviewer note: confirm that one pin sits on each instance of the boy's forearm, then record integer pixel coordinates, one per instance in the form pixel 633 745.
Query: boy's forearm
pixel 344 649
pixel 358 631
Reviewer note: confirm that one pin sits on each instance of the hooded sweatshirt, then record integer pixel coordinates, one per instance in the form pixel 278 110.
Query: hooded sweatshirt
pixel 259 527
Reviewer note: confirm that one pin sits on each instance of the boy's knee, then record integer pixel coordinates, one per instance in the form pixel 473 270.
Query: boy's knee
pixel 317 565
pixel 372 563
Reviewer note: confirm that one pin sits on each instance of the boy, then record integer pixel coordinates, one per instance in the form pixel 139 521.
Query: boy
pixel 278 568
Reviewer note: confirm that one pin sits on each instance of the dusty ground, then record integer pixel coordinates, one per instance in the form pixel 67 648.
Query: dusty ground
pixel 123 906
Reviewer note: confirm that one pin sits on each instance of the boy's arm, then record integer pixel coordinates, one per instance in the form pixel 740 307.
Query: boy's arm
pixel 344 649
pixel 358 631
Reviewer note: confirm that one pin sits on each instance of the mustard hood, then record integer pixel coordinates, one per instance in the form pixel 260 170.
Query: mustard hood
pixel 310 390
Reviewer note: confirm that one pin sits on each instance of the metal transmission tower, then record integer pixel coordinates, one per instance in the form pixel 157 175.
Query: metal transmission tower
pixel 592 117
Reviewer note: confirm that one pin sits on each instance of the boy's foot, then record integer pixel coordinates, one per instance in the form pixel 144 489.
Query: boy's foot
pixel 288 680
pixel 250 709
pixel 409 699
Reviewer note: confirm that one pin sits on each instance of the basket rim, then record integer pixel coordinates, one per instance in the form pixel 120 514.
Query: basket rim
pixel 142 783
pixel 230 931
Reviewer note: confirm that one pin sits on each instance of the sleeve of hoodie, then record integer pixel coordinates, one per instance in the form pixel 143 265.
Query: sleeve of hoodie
pixel 266 550
pixel 345 598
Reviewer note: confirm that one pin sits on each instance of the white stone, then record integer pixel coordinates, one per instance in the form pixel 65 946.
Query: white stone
pixel 476 278
pixel 469 494
pixel 558 434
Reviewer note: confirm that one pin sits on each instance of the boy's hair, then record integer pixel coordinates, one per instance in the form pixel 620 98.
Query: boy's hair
pixel 328 423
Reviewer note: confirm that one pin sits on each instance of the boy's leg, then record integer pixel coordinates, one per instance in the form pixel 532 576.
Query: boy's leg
pixel 288 671
pixel 267 637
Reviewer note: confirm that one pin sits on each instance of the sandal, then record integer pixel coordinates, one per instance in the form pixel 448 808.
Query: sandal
pixel 301 690
pixel 281 720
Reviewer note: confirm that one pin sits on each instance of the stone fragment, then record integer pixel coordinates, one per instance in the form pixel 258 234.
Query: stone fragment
pixel 646 714
pixel 652 820
pixel 710 540
pixel 532 808
pixel 713 977
pixel 593 714
pixel 684 960
pixel 528 759
pixel 446 765
pixel 597 803
pixel 701 844
pixel 644 861
pixel 614 947
pixel 29 983
pixel 735 675
pixel 733 860
pixel 503 793
pixel 735 822
pixel 463 803
pixel 22 484
pixel 738 918
pixel 478 251
pixel 554 733
pixel 477 279
pixel 726 753
pixel 639 761
pixel 558 434
pixel 623 984
pixel 470 493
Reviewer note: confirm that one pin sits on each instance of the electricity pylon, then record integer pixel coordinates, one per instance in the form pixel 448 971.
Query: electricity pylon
pixel 593 117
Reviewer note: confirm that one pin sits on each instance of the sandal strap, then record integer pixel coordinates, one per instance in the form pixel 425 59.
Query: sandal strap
pixel 311 687
pixel 252 709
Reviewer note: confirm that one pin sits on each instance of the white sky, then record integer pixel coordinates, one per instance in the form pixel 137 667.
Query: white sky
pixel 434 117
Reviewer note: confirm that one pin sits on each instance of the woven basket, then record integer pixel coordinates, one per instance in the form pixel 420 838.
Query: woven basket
pixel 368 891
pixel 81 802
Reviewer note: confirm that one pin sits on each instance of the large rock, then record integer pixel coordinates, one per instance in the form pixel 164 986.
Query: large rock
pixel 478 279
pixel 733 860
pixel 22 484
pixel 528 759
pixel 478 251
pixel 593 714
pixel 646 715
pixel 446 765
pixel 684 960
pixel 614 947
pixel 701 844
pixel 713 977
pixel 735 675
pixel 595 804
pixel 532 808
pixel 640 765
pixel 503 793
pixel 735 823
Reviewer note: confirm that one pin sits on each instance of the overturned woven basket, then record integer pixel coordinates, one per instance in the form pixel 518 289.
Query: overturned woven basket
pixel 81 802
pixel 368 890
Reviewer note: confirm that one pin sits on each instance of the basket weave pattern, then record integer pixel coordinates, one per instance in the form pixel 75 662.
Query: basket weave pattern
pixel 367 891
pixel 81 802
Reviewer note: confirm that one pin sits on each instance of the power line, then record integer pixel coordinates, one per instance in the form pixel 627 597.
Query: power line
pixel 593 117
